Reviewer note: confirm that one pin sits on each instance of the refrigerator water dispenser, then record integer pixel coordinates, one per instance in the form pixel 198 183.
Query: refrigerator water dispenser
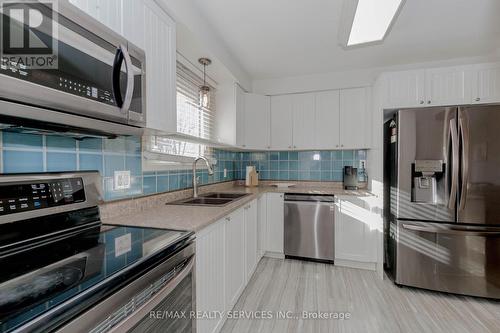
pixel 425 174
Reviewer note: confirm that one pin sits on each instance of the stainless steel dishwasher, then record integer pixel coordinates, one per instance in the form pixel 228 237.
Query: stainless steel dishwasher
pixel 310 227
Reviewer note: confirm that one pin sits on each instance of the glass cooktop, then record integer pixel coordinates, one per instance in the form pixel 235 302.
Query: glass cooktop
pixel 39 279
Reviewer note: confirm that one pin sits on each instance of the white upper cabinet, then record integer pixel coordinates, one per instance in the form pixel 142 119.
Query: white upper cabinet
pixel 486 83
pixel 405 89
pixel 304 117
pixel 446 86
pixel 459 85
pixel 160 48
pixel 133 24
pixel 108 12
pixel 257 118
pixel 281 122
pixel 149 27
pixel 327 120
pixel 239 104
pixel 354 122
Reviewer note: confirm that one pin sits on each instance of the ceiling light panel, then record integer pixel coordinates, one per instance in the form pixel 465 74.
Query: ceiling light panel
pixel 371 20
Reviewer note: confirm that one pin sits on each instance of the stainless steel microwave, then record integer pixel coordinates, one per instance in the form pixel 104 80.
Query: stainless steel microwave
pixel 99 82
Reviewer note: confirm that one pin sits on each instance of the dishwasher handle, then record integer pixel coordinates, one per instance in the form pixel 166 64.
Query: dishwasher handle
pixel 310 203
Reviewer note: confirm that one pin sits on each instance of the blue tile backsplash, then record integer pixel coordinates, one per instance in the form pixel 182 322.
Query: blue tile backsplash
pixel 301 165
pixel 39 153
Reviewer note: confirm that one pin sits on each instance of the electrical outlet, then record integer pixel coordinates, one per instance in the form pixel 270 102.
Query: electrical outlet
pixel 122 180
pixel 362 164
pixel 225 173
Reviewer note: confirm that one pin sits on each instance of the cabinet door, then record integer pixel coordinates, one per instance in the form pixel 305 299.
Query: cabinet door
pixel 262 224
pixel 251 238
pixel 257 121
pixel 281 122
pixel 239 104
pixel 133 21
pixel 354 118
pixel 160 41
pixel 210 275
pixel 327 120
pixel 404 89
pixel 107 12
pixel 234 257
pixel 275 222
pixel 486 84
pixel 304 116
pixel 355 237
pixel 446 86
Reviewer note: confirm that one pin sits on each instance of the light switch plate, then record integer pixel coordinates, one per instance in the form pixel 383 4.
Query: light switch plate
pixel 122 180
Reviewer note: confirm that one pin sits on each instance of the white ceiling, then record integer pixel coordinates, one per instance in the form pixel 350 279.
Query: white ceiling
pixel 284 38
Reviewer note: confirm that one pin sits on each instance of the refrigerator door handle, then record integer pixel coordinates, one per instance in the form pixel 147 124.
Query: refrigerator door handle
pixel 464 133
pixel 454 230
pixel 455 158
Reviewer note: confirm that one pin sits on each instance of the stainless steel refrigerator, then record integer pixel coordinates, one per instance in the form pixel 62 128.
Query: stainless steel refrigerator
pixel 442 199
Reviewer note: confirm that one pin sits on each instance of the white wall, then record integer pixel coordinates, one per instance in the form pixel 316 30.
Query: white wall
pixel 185 12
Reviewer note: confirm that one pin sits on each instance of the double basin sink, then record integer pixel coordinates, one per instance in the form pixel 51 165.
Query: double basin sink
pixel 211 199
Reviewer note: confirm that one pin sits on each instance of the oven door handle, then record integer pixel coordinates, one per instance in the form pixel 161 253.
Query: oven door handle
pixel 121 56
pixel 128 322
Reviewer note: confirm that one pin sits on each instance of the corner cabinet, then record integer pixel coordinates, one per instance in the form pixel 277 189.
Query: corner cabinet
pixel 147 25
pixel 355 234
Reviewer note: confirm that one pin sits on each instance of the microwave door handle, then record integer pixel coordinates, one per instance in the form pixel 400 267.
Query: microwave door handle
pixel 143 312
pixel 454 165
pixel 464 133
pixel 121 56
pixel 117 65
pixel 130 81
pixel 483 232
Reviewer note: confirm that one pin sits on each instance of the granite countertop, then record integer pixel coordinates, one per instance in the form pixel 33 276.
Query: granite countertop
pixel 195 218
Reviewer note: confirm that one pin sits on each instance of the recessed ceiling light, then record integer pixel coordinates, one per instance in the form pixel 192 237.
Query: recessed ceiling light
pixel 367 21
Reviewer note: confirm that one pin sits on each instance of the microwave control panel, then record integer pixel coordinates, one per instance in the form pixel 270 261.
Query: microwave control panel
pixel 15 198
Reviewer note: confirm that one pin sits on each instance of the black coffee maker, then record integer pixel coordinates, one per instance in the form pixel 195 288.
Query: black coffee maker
pixel 350 178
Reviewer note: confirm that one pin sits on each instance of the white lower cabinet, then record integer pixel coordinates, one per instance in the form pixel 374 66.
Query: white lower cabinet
pixel 251 239
pixel 226 257
pixel 355 233
pixel 210 284
pixel 262 224
pixel 275 223
pixel 235 257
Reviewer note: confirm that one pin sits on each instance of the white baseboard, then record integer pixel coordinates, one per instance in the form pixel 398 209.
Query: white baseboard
pixel 372 266
pixel 275 255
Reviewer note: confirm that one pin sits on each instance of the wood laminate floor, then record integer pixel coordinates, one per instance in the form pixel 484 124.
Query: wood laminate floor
pixel 374 305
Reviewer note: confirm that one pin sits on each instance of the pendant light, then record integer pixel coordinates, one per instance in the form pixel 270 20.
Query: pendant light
pixel 204 89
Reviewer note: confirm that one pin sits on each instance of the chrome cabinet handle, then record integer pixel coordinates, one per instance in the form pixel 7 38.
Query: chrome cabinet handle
pixel 478 99
pixel 228 219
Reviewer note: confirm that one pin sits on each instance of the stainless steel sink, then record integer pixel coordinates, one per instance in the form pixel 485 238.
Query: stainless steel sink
pixel 224 195
pixel 210 199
